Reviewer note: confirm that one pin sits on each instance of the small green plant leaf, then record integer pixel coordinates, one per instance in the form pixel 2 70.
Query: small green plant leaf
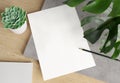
pixel 73 3
pixel 116 51
pixel 97 6
pixel 116 8
pixel 90 19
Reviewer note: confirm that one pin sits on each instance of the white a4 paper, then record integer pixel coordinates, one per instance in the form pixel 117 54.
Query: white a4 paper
pixel 58 36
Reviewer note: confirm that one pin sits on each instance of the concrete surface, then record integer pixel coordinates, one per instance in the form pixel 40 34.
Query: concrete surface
pixel 106 69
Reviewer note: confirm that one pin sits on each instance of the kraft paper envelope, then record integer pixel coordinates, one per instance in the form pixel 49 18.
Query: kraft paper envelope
pixel 14 72
pixel 58 36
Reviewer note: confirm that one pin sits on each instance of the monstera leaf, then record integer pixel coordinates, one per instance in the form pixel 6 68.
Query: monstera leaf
pixel 90 19
pixel 73 3
pixel 93 6
pixel 117 50
pixel 97 6
pixel 116 8
pixel 92 35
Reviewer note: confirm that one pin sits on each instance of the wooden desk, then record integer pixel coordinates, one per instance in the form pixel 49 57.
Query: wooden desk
pixel 12 45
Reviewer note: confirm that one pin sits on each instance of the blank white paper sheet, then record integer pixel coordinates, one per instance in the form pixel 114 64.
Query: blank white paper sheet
pixel 13 72
pixel 58 35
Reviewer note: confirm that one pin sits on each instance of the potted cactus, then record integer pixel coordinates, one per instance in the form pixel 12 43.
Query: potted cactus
pixel 14 19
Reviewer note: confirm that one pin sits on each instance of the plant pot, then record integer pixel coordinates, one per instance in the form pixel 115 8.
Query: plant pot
pixel 21 29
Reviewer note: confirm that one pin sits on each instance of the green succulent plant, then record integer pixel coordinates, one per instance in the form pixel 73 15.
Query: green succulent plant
pixel 13 17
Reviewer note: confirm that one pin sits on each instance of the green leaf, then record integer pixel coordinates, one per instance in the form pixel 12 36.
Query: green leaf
pixel 90 2
pixel 97 6
pixel 116 51
pixel 73 3
pixel 89 19
pixel 7 9
pixel 6 25
pixel 94 34
pixel 111 39
pixel 116 8
pixel 14 16
pixel 2 14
